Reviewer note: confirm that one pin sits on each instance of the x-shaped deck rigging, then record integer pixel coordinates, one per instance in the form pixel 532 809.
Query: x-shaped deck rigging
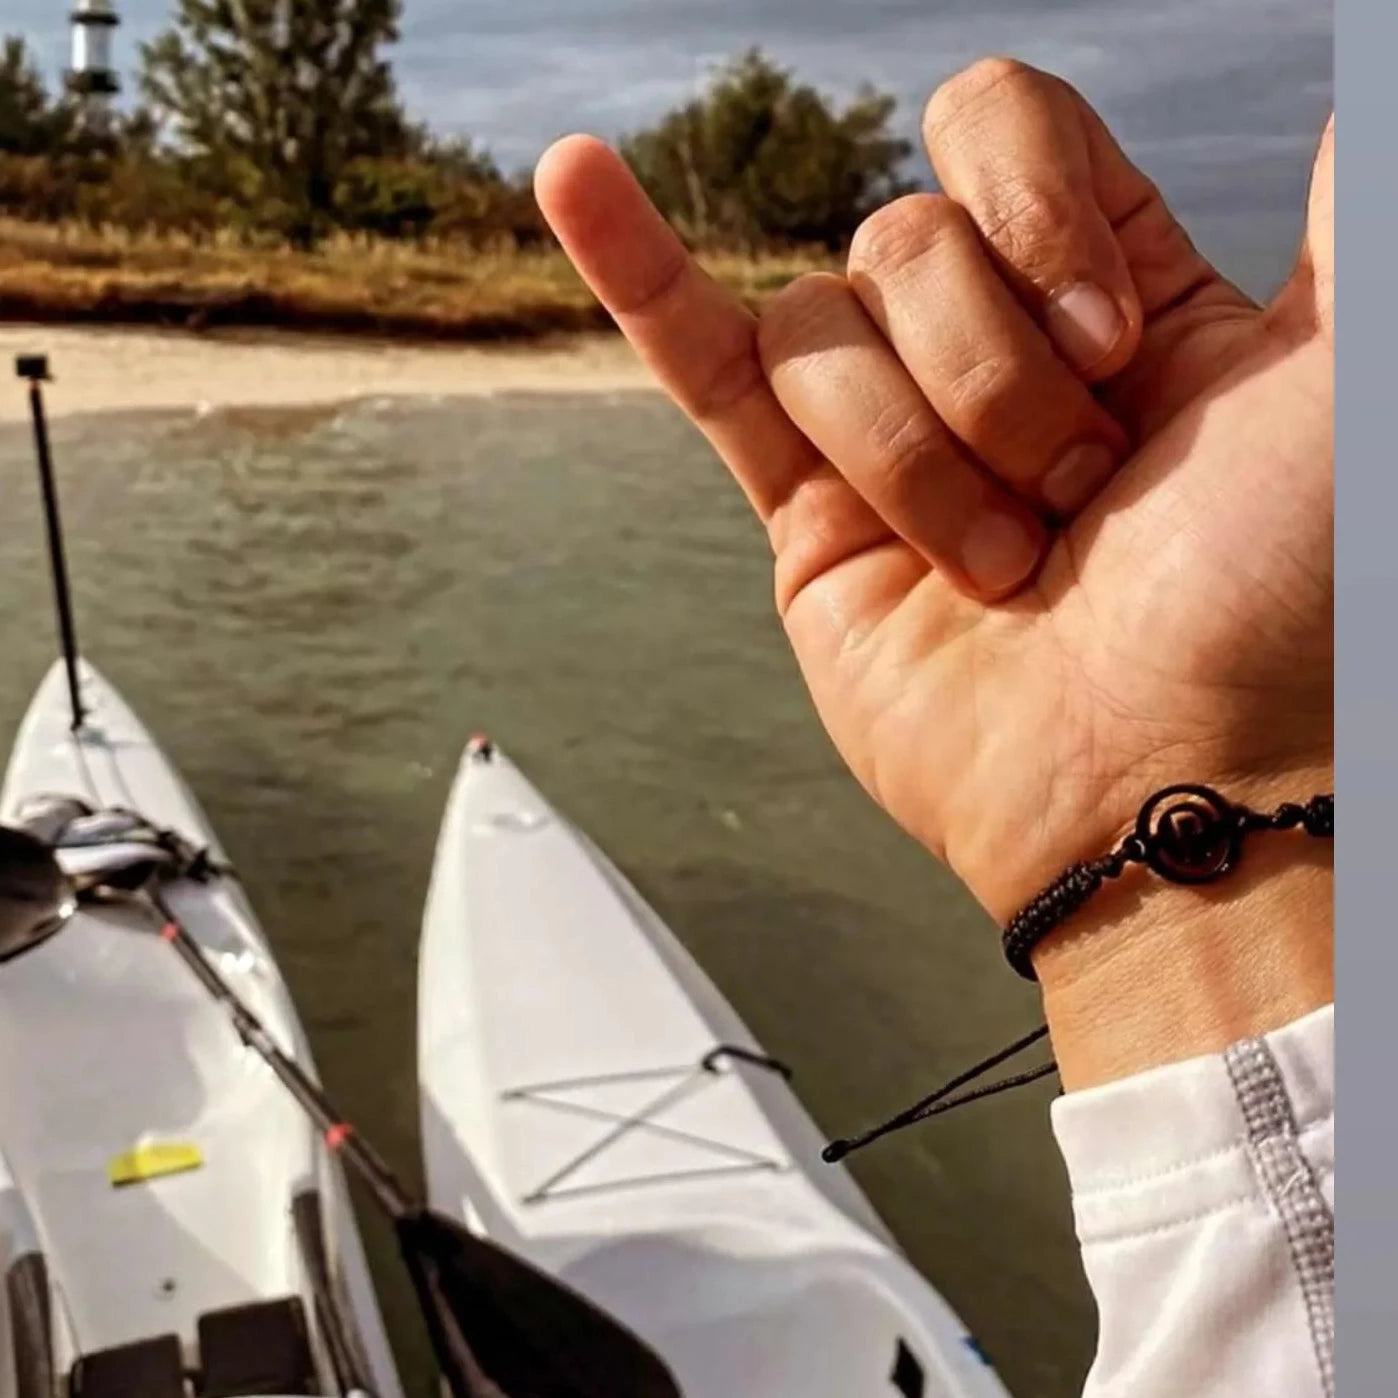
pixel 682 1083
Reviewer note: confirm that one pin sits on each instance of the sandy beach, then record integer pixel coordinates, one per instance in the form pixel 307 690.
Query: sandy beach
pixel 111 370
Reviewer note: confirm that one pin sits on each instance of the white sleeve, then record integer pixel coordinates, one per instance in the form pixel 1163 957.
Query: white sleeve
pixel 1204 1198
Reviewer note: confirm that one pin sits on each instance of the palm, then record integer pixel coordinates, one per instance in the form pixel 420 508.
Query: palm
pixel 1152 648
pixel 1178 630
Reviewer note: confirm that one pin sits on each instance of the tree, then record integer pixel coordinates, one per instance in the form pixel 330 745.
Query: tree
pixel 474 200
pixel 445 188
pixel 30 124
pixel 762 158
pixel 271 101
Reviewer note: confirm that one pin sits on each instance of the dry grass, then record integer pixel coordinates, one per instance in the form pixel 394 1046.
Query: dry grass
pixel 67 273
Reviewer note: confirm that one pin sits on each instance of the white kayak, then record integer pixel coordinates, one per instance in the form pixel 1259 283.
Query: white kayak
pixel 166 1208
pixel 590 1101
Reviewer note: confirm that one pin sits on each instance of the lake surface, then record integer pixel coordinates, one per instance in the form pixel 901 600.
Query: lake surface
pixel 314 608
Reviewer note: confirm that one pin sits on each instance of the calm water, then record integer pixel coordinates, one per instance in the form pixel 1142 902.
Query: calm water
pixel 315 608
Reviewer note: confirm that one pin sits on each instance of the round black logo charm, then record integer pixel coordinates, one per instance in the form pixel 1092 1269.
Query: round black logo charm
pixel 1190 834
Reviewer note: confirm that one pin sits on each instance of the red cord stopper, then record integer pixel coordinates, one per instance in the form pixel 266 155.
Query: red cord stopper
pixel 337 1135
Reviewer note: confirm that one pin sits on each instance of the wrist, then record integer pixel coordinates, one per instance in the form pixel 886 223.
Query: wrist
pixel 1151 972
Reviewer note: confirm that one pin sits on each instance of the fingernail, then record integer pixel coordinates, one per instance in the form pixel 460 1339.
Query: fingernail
pixel 1085 323
pixel 999 552
pixel 1077 475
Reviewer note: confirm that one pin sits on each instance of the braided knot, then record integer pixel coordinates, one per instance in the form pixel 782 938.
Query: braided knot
pixel 1059 901
pixel 1318 816
pixel 1187 834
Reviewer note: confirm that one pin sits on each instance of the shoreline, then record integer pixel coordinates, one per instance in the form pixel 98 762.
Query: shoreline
pixel 118 368
pixel 272 311
pixel 164 321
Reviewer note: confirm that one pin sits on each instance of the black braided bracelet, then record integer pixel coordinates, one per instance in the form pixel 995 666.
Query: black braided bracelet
pixel 1187 834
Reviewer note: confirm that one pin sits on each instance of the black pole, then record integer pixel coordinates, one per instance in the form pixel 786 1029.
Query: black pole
pixel 35 368
pixel 339 1135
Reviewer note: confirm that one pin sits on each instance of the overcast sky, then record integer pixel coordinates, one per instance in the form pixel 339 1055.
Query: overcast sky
pixel 1220 100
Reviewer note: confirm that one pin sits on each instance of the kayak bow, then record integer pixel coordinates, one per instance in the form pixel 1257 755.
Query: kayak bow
pixel 592 1102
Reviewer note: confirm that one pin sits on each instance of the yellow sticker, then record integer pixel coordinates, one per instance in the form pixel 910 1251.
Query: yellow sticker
pixel 152 1160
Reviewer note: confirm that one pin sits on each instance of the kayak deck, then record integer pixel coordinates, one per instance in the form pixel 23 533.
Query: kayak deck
pixel 162 1166
pixel 590 1099
pixel 121 1053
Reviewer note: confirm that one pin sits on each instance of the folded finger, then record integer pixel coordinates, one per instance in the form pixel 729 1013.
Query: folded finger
pixel 988 370
pixel 840 382
pixel 1085 236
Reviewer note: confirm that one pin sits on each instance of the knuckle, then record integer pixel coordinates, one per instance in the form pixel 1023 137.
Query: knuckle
pixel 904 230
pixel 983 80
pixel 1030 224
pixel 734 372
pixel 799 316
pixel 731 380
pixel 902 444
pixel 987 400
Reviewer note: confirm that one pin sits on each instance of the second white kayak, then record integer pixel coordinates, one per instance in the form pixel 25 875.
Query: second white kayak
pixel 590 1100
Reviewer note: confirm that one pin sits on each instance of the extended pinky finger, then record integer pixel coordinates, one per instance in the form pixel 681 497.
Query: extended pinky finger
pixel 696 336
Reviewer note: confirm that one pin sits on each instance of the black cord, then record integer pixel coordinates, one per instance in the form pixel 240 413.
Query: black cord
pixel 936 1102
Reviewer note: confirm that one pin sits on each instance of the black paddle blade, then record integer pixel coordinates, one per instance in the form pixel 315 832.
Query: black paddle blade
pixel 503 1329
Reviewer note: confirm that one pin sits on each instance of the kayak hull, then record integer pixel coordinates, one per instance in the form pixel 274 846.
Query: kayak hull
pixel 592 1101
pixel 161 1172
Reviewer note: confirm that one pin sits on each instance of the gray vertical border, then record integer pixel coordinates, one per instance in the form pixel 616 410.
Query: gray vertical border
pixel 1366 684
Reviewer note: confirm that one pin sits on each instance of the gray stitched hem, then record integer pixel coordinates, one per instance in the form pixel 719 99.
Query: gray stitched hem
pixel 1291 1188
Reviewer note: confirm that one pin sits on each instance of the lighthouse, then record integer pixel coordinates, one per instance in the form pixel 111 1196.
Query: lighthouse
pixel 92 77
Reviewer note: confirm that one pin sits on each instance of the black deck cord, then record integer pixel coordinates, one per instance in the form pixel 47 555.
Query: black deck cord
pixel 1187 834
pixel 711 1060
pixel 941 1100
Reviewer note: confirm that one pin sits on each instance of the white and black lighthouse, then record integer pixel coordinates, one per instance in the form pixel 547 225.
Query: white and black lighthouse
pixel 92 77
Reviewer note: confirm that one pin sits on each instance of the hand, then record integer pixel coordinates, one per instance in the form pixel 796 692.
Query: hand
pixel 1021 604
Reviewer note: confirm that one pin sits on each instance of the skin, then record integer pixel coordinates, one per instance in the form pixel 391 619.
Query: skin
pixel 1169 614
